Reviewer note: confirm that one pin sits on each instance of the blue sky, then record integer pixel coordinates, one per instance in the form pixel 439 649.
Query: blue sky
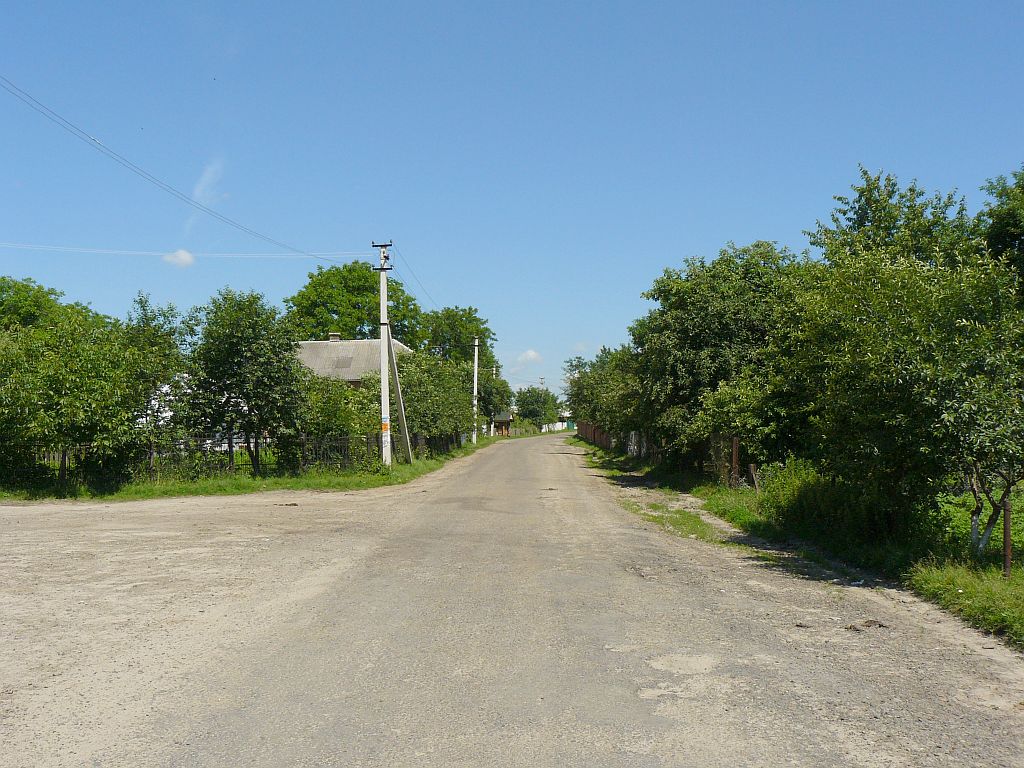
pixel 541 161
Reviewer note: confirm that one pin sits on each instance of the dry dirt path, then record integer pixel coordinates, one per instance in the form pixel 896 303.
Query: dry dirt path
pixel 504 611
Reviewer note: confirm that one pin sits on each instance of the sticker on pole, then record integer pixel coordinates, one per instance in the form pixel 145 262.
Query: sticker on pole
pixel 385 426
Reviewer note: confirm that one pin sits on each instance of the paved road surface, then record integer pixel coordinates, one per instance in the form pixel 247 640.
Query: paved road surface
pixel 505 611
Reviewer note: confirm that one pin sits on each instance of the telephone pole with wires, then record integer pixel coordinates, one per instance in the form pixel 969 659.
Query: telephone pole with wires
pixel 385 355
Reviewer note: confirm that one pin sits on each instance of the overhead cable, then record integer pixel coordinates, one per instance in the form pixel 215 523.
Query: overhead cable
pixel 96 144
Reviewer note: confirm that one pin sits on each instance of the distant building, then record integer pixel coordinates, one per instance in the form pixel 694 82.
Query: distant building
pixel 344 359
pixel 502 424
pixel 565 421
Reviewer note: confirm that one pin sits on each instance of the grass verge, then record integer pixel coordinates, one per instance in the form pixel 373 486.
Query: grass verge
pixel 230 485
pixel 981 596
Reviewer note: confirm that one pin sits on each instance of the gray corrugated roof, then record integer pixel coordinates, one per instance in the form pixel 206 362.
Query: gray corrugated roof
pixel 348 360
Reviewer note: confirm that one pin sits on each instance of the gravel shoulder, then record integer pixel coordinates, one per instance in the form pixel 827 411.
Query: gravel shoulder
pixel 504 610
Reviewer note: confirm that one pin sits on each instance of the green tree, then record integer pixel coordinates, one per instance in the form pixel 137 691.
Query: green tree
pixel 346 300
pixel 1002 219
pixel 243 371
pixel 605 391
pixel 495 393
pixel 438 395
pixel 448 333
pixel 712 320
pixel 73 381
pixel 538 405
pixel 25 303
pixel 333 408
pixel 902 221
pixel 157 332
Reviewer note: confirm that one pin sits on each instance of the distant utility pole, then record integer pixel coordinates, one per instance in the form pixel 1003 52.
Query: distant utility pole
pixel 385 355
pixel 476 396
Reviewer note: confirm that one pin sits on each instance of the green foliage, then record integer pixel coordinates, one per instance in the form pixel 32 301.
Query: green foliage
pixel 448 333
pixel 891 369
pixel 537 405
pixel 980 595
pixel 1003 219
pixel 25 303
pixel 903 222
pixel 346 300
pixel 495 394
pixel 157 332
pixel 711 321
pixel 332 408
pixel 605 390
pixel 438 394
pixel 243 371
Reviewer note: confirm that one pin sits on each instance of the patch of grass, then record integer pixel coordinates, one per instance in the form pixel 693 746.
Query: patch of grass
pixel 229 485
pixel 683 522
pixel 688 523
pixel 981 596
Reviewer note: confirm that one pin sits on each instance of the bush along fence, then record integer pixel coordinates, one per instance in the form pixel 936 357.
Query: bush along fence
pixel 723 457
pixel 200 457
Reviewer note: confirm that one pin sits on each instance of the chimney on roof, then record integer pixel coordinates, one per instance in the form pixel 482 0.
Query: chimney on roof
pixel 334 337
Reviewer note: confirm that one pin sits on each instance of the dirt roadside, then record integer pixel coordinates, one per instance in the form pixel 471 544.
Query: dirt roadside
pixel 109 613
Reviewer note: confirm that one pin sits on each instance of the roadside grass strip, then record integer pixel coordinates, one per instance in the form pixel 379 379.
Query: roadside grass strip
pixel 232 485
pixel 980 596
pixel 683 522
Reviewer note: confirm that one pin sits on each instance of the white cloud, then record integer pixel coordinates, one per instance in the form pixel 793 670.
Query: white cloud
pixel 529 356
pixel 180 258
pixel 205 189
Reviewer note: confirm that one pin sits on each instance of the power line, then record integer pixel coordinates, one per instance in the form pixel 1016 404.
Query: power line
pixel 96 144
pixel 412 272
pixel 199 254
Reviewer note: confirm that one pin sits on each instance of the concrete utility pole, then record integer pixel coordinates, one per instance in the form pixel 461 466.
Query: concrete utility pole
pixel 385 355
pixel 476 397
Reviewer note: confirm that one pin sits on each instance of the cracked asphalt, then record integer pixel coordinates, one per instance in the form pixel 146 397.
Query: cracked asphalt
pixel 503 611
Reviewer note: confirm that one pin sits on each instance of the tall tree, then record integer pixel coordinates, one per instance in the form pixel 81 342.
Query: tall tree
pixel 159 334
pixel 449 332
pixel 1003 219
pixel 243 371
pixel 712 320
pixel 538 405
pixel 346 300
pixel 902 221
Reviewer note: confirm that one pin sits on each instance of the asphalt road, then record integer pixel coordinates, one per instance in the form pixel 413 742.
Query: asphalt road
pixel 505 611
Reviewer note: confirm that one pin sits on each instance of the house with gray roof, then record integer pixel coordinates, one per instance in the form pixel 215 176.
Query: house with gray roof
pixel 344 359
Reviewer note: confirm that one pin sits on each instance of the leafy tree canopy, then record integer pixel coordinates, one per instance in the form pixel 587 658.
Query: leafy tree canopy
pixel 243 371
pixel 27 303
pixel 537 405
pixel 712 320
pixel 346 299
pixel 880 215
pixel 449 332
pixel 1003 219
